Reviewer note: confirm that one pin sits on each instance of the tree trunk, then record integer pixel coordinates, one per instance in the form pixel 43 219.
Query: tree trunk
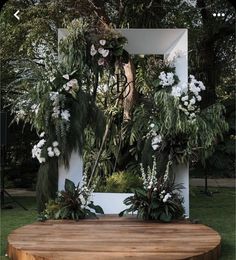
pixel 130 94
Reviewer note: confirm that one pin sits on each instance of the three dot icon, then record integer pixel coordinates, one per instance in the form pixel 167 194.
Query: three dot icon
pixel 218 14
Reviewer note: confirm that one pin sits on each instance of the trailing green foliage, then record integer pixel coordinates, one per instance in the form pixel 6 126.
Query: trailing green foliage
pixel 47 183
pixel 58 100
pixel 188 138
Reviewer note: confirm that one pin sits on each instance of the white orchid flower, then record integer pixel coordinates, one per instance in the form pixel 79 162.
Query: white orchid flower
pixel 65 114
pixel 93 51
pixel 55 144
pixel 101 61
pixel 56 151
pixel 105 53
pixel 51 153
pixel 41 143
pixel 102 42
pixel 42 134
pixel 66 76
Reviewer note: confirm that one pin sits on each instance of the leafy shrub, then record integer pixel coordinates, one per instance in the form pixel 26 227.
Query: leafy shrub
pixel 121 182
pixel 52 207
pixel 158 199
pixel 72 203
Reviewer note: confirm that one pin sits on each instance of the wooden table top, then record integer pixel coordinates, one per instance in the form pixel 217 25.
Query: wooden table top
pixel 111 237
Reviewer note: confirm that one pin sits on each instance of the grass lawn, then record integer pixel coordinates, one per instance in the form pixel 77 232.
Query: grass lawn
pixel 16 217
pixel 217 212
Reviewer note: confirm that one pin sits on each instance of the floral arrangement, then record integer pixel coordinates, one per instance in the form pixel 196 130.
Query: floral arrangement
pixel 188 94
pixel 56 101
pixel 179 103
pixel 39 150
pixel 72 203
pixel 59 101
pixel 109 50
pixel 159 199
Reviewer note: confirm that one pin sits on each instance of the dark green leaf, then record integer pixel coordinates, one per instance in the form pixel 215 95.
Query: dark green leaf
pixel 69 186
pixel 165 218
pixel 97 208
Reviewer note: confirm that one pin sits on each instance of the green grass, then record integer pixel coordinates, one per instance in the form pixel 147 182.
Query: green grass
pixel 16 217
pixel 217 212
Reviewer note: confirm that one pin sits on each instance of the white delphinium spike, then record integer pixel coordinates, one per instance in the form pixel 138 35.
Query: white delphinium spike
pixel 167 196
pixel 165 178
pixel 149 179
